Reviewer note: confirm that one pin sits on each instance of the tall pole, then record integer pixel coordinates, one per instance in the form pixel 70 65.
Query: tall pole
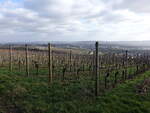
pixel 96 70
pixel 93 65
pixel 10 58
pixel 27 60
pixel 70 60
pixel 137 63
pixel 50 63
pixel 126 58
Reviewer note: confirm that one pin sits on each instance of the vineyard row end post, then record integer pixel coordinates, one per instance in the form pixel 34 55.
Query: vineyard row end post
pixel 27 60
pixel 96 69
pixel 50 63
pixel 10 58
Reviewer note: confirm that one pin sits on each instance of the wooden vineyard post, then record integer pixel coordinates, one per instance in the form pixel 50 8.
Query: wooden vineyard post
pixel 77 73
pixel 63 72
pixel 126 65
pixel 106 77
pixel 148 61
pixel 19 64
pixel 70 59
pixel 96 70
pixel 137 64
pixel 37 68
pixel 144 62
pixel 10 58
pixel 116 75
pixel 53 60
pixel 27 61
pixel 123 75
pixel 50 67
pixel 93 64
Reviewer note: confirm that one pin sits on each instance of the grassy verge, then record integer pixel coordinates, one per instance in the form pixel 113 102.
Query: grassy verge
pixel 20 94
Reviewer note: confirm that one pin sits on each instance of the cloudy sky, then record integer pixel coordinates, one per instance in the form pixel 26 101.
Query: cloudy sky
pixel 74 20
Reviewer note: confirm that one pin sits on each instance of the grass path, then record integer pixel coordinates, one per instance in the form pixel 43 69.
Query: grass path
pixel 31 95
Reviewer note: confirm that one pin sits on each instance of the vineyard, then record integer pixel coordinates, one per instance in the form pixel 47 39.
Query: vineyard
pixel 50 80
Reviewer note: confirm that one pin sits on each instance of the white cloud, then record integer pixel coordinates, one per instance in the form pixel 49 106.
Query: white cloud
pixel 134 5
pixel 74 20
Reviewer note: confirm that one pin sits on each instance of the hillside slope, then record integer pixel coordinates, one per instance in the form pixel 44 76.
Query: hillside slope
pixel 33 95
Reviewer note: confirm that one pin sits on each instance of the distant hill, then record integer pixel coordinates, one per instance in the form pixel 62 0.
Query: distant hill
pixel 106 44
pixel 91 44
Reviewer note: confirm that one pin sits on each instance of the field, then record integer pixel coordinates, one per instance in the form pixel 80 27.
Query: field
pixel 55 81
pixel 31 95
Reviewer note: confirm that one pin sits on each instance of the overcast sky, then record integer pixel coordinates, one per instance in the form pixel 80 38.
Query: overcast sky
pixel 74 20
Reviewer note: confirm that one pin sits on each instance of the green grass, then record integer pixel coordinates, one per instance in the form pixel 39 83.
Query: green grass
pixel 20 94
